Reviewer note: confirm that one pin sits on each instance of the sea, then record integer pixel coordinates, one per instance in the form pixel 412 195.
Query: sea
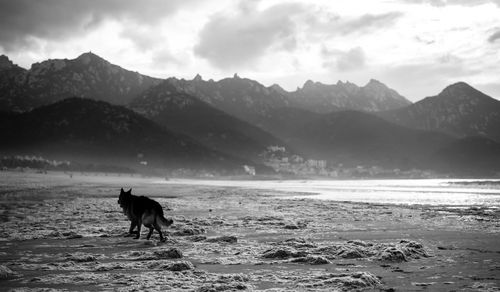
pixel 446 192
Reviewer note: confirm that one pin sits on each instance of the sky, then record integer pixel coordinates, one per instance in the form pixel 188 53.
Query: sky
pixel 416 47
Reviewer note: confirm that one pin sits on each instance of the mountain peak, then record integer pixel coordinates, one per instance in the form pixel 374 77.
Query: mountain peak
pixel 197 78
pixel 461 91
pixel 374 82
pixel 88 57
pixel 308 84
pixel 5 63
pixel 458 86
pixel 277 88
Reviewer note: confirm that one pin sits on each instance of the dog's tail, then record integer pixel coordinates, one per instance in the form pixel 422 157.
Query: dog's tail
pixel 164 221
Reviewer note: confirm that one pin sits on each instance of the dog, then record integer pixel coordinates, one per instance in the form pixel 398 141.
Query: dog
pixel 142 210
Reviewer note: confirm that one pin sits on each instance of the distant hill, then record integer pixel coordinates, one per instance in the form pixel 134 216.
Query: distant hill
pixel 242 98
pixel 355 138
pixel 251 101
pixel 459 110
pixel 87 76
pixel 11 90
pixel 88 130
pixel 477 156
pixel 323 98
pixel 187 114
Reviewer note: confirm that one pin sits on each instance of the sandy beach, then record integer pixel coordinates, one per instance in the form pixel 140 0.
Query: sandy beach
pixel 68 233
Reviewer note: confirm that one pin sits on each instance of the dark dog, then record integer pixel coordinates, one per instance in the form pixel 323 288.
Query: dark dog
pixel 143 211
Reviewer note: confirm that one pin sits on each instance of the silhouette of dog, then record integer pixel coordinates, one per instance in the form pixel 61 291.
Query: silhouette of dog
pixel 142 210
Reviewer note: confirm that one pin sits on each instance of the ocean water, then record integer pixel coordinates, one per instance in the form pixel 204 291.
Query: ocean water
pixel 447 192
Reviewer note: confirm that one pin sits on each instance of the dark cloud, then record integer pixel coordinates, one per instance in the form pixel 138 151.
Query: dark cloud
pixel 21 20
pixel 229 41
pixel 494 37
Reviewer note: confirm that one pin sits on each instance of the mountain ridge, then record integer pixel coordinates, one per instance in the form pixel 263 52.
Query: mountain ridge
pixel 88 75
pixel 459 110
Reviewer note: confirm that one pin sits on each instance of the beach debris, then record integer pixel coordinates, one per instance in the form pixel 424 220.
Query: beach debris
pixel 283 253
pixel 223 239
pixel 71 235
pixel 312 260
pixel 6 273
pixel 295 225
pixel 402 251
pixel 297 242
pixel 172 253
pixel 189 231
pixel 342 281
pixel 179 266
pixel 227 282
pixel 196 238
pixel 80 257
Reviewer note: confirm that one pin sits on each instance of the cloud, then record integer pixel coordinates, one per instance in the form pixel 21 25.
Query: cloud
pixel 327 23
pixel 23 20
pixel 351 60
pixel 494 37
pixel 231 40
pixel 142 37
pixel 163 58
pixel 417 81
pixel 368 22
pixel 441 3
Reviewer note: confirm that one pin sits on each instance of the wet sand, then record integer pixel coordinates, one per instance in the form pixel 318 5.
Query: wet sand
pixel 69 233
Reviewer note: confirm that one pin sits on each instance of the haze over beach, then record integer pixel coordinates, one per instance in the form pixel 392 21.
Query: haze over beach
pixel 263 145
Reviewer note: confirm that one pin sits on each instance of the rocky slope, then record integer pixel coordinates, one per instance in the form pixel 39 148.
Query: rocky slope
pixel 243 98
pixel 323 98
pixel 187 114
pixel 459 110
pixel 86 76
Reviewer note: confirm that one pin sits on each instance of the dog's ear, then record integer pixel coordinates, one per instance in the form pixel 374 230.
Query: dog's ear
pixel 129 191
pixel 121 191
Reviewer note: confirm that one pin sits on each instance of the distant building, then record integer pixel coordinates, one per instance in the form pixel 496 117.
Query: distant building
pixel 250 170
pixel 316 163
pixel 276 148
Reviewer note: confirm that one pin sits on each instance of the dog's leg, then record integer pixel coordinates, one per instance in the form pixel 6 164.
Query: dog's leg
pixel 131 231
pixel 158 228
pixel 139 224
pixel 150 232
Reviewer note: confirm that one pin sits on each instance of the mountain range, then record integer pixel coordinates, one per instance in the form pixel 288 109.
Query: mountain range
pixel 233 121
pixel 49 81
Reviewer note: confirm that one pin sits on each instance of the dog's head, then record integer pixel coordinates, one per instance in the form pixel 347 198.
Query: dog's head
pixel 123 198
